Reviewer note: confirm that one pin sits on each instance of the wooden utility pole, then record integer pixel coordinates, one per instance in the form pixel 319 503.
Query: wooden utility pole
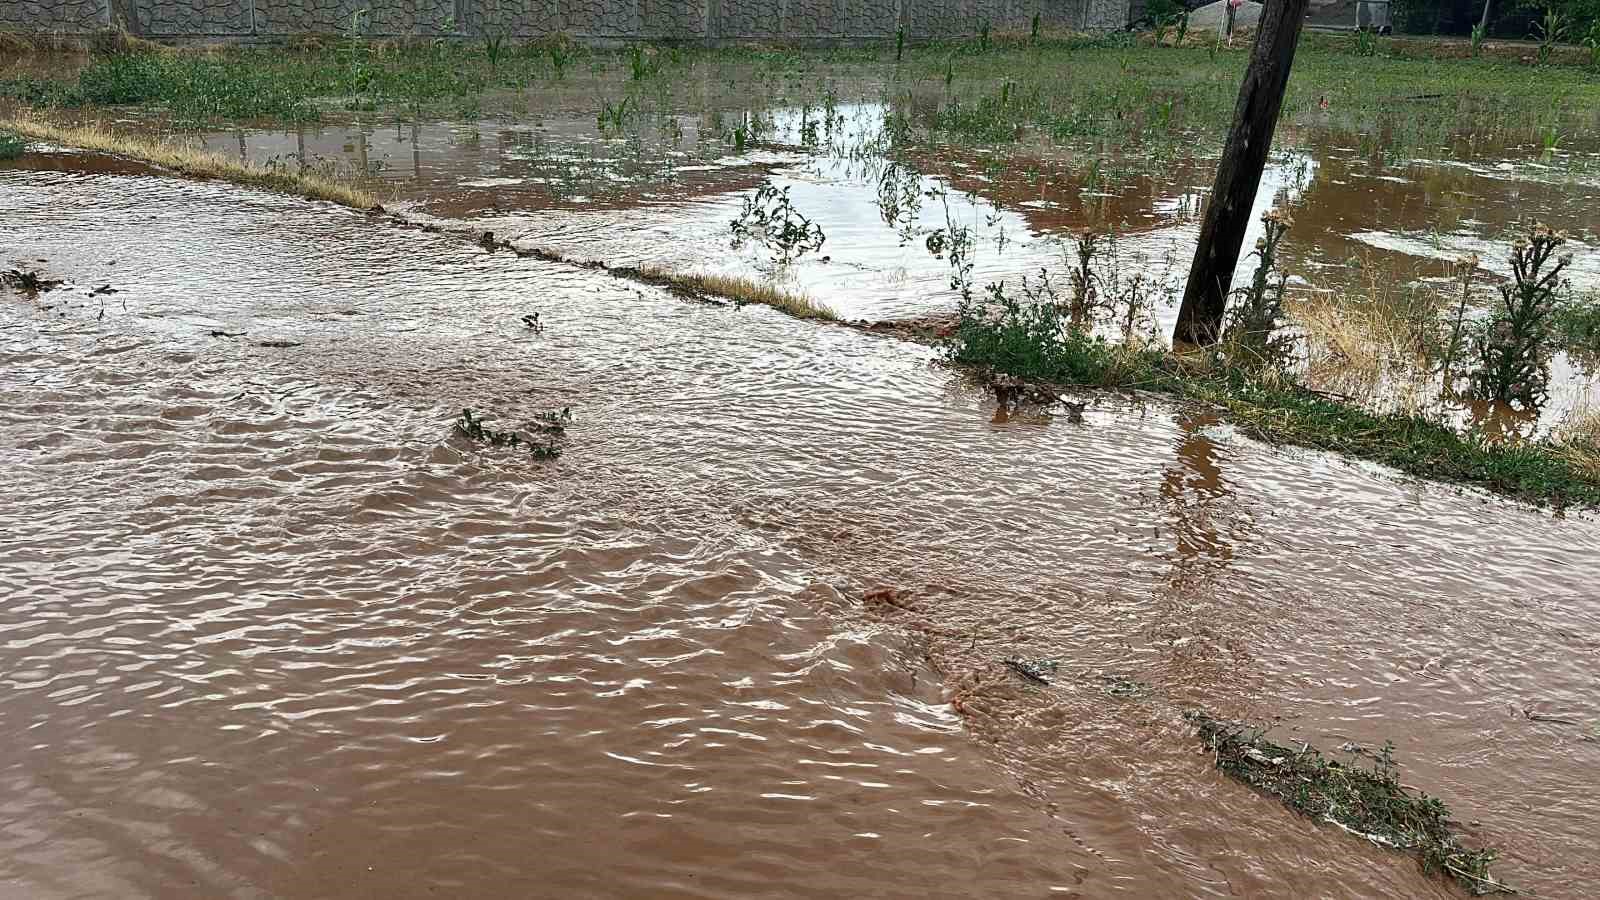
pixel 1227 213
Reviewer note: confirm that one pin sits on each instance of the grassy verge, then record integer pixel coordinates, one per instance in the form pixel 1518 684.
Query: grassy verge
pixel 1030 343
pixel 1369 803
pixel 189 161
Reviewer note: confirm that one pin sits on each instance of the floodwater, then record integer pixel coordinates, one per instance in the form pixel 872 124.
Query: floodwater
pixel 273 629
pixel 664 187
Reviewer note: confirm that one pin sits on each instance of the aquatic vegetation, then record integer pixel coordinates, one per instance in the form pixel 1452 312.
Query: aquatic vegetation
pixel 11 145
pixel 1514 344
pixel 1578 441
pixel 770 220
pixel 1368 802
pixel 1465 267
pixel 186 160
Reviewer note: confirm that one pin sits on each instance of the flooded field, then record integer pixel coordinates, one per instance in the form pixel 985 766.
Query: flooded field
pixel 274 629
pixel 661 187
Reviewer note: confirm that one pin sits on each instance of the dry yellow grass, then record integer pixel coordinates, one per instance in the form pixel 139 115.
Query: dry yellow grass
pixel 1578 441
pixel 746 290
pixel 1371 345
pixel 190 161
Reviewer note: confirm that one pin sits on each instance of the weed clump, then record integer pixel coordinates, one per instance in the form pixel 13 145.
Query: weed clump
pixel 1368 802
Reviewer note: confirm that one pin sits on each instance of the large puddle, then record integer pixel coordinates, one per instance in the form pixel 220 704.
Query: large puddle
pixel 273 630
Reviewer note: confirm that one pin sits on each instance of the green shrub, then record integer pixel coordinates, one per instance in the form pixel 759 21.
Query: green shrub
pixel 11 145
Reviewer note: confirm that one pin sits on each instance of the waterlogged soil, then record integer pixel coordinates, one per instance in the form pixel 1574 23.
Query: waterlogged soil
pixel 273 629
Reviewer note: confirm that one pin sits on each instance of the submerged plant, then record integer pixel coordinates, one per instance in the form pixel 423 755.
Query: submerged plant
pixel 1514 344
pixel 613 117
pixel 1370 803
pixel 643 61
pixel 900 198
pixel 548 426
pixel 1085 295
pixel 770 220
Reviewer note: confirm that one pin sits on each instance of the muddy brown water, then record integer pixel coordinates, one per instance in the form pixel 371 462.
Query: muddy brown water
pixel 272 629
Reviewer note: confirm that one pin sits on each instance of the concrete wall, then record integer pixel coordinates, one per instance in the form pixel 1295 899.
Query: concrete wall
pixel 598 21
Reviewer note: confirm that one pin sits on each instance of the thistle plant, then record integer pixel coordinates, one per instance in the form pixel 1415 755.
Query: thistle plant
pixel 1252 334
pixel 1515 343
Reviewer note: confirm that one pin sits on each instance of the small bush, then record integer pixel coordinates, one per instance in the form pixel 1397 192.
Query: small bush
pixel 11 145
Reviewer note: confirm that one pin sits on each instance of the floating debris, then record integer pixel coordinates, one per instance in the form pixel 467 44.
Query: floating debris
pixel 1370 804
pixel 1118 686
pixel 1039 671
pixel 28 281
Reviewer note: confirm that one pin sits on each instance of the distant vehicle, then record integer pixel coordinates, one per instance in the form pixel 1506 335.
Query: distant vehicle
pixel 1374 15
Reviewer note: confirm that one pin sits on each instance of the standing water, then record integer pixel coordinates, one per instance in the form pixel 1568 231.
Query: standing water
pixel 273 628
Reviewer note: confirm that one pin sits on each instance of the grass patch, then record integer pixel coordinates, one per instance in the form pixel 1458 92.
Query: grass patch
pixel 192 162
pixel 1030 342
pixel 1367 802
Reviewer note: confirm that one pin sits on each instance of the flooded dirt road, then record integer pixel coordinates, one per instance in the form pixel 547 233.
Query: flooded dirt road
pixel 273 629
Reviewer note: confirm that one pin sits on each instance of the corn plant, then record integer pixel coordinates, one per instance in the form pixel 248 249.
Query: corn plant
pixel 1550 31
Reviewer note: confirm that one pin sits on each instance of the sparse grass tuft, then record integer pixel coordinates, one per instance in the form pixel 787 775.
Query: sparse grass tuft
pixel 1368 803
pixel 192 162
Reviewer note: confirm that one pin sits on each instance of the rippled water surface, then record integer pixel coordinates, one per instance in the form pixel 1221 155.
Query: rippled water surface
pixel 271 628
